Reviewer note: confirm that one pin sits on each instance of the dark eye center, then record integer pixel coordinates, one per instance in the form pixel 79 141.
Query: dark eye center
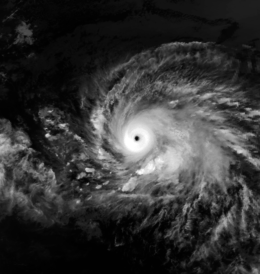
pixel 137 138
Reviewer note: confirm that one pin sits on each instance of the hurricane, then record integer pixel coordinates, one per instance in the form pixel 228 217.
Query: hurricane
pixel 174 114
pixel 173 138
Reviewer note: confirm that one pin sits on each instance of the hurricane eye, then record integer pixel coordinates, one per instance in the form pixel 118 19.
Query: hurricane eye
pixel 137 138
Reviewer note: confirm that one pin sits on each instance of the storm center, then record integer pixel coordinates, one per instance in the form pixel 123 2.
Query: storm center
pixel 137 138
